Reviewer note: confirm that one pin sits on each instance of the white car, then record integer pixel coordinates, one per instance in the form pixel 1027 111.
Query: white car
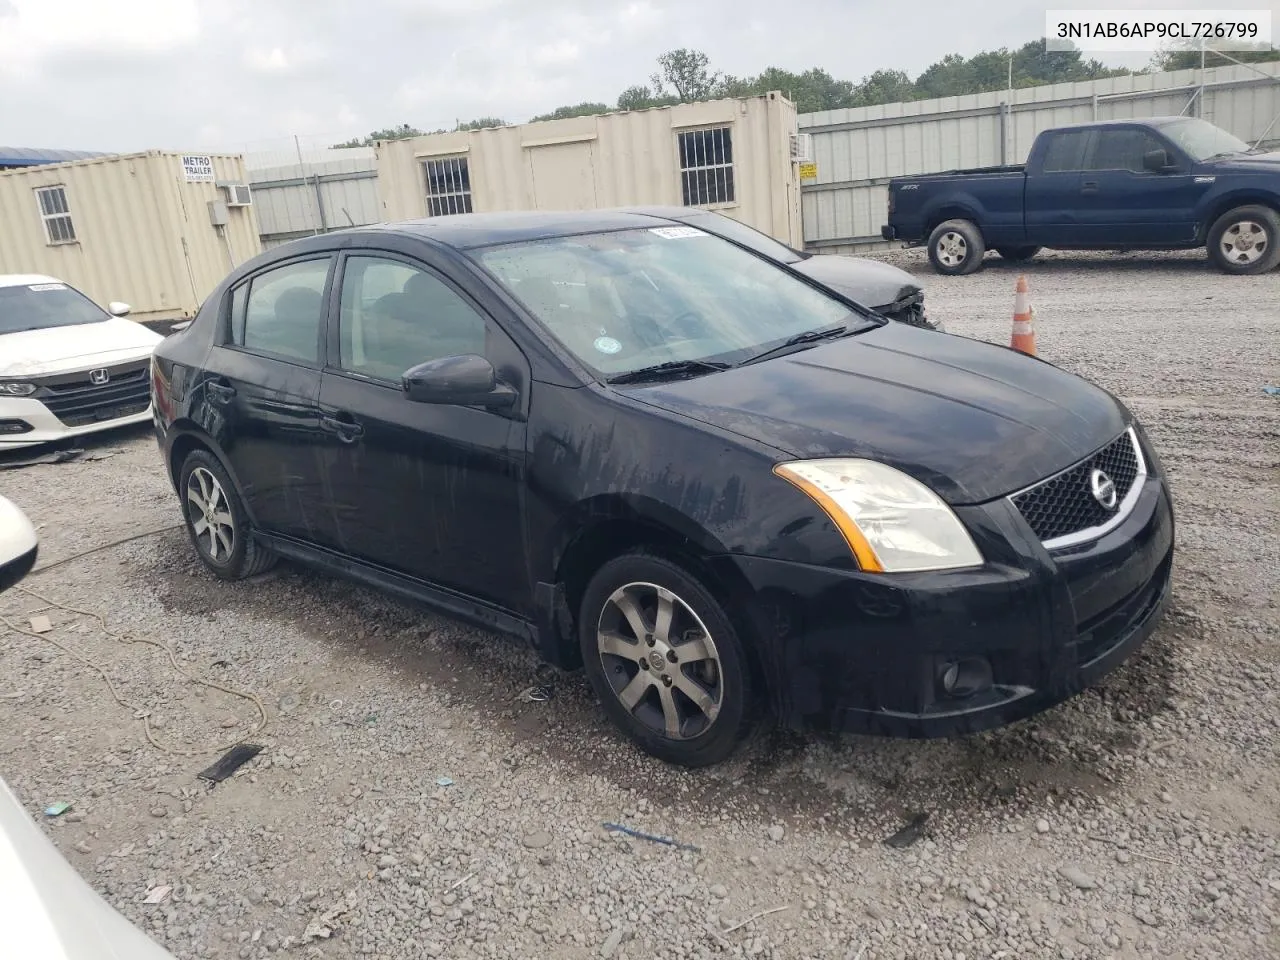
pixel 47 911
pixel 67 367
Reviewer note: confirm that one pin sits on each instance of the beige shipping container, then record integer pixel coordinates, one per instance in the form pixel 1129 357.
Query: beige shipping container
pixel 733 156
pixel 135 227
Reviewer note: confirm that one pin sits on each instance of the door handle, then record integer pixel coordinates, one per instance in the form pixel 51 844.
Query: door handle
pixel 1089 186
pixel 347 430
pixel 220 393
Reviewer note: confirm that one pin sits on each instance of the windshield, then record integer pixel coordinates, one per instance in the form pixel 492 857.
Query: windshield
pixel 1201 139
pixel 632 299
pixel 39 305
pixel 749 237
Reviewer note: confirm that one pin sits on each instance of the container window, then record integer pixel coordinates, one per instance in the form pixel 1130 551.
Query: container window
pixel 706 166
pixel 448 186
pixel 56 215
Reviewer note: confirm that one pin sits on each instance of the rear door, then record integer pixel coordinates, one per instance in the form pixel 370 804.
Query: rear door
pixel 1052 193
pixel 429 490
pixel 262 383
pixel 1121 203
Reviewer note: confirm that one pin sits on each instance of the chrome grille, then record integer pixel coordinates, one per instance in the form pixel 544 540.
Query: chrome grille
pixel 76 400
pixel 1063 510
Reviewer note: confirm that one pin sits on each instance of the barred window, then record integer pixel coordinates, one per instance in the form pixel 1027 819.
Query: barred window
pixel 448 186
pixel 706 166
pixel 55 214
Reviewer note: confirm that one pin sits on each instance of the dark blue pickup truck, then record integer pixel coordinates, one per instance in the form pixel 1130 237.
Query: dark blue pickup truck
pixel 1166 183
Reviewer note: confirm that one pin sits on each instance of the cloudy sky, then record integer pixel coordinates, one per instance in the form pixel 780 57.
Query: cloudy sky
pixel 251 74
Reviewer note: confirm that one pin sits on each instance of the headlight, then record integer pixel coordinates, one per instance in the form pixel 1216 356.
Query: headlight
pixel 892 523
pixel 15 389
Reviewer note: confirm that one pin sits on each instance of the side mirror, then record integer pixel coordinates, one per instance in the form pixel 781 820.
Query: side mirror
pixel 118 309
pixel 18 544
pixel 467 380
pixel 1157 161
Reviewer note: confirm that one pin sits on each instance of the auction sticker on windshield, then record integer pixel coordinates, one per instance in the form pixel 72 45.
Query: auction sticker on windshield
pixel 678 233
pixel 37 287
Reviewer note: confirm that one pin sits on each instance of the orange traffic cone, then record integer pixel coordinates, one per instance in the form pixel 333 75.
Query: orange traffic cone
pixel 1024 330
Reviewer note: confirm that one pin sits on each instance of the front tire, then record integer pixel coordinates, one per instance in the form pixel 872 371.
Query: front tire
pixel 1017 254
pixel 1245 240
pixel 665 661
pixel 217 521
pixel 956 247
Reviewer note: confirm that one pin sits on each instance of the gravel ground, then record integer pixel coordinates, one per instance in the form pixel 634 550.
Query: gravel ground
pixel 410 802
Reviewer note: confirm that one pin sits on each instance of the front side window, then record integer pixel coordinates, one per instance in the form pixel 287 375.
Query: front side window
pixel 448 186
pixel 395 316
pixel 56 215
pixel 1122 150
pixel 706 166
pixel 282 310
pixel 37 306
pixel 631 299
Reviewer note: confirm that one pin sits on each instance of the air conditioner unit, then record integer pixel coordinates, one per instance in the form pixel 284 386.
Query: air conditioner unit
pixel 802 147
pixel 238 194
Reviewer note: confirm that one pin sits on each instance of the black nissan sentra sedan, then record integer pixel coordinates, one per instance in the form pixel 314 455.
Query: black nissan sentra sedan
pixel 726 492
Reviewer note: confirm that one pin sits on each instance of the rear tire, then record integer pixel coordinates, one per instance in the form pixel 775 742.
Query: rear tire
pixel 1017 254
pixel 956 247
pixel 665 661
pixel 1245 240
pixel 217 521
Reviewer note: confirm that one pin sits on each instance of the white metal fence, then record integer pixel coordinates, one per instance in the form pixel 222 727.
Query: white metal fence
pixel 858 150
pixel 329 190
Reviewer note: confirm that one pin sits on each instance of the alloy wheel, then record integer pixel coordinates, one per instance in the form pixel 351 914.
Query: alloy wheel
pixel 1244 242
pixel 209 514
pixel 660 660
pixel 952 249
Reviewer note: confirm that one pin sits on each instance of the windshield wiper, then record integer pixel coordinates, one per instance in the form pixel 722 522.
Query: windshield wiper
pixel 670 369
pixel 809 336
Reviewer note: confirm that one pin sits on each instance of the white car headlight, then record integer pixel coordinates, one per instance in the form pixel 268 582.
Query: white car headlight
pixel 17 389
pixel 892 523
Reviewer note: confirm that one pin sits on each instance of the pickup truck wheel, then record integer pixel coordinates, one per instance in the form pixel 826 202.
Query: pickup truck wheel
pixel 1246 240
pixel 1017 254
pixel 956 247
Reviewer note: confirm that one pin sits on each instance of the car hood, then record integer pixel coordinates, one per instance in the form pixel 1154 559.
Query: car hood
pixel 45 906
pixel 971 420
pixel 1247 163
pixel 868 282
pixel 34 353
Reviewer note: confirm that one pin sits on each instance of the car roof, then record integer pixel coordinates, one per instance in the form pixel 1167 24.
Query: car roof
pixel 465 231
pixel 1123 121
pixel 25 279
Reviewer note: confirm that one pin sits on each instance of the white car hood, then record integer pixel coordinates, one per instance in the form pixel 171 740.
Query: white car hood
pixel 47 912
pixel 34 353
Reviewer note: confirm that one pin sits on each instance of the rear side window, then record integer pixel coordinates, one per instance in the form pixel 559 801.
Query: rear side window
pixel 1121 150
pixel 1065 152
pixel 279 311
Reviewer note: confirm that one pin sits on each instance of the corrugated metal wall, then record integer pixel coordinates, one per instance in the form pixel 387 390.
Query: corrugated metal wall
pixel 142 233
pixel 326 193
pixel 617 159
pixel 858 150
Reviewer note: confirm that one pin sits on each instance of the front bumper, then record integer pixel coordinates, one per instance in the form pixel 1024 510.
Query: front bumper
pixel 39 425
pixel 865 653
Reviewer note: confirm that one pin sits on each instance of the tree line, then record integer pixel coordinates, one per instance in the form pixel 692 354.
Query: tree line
pixel 686 76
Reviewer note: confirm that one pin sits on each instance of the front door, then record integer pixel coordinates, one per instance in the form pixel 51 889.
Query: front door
pixel 428 490
pixel 1121 203
pixel 261 389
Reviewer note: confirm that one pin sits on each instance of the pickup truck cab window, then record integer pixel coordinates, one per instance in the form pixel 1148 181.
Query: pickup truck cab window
pixel 1121 149
pixel 1066 151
